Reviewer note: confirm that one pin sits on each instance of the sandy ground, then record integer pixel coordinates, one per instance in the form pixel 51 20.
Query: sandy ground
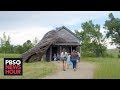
pixel 84 71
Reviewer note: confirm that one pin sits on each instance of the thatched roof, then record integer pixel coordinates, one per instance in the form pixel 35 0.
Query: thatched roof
pixel 60 36
pixel 68 35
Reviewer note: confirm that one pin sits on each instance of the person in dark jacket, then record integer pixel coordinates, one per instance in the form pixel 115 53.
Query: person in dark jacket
pixel 73 59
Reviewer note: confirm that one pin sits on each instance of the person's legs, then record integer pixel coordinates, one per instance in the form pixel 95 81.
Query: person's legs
pixel 75 63
pixel 72 64
pixel 64 65
pixel 68 66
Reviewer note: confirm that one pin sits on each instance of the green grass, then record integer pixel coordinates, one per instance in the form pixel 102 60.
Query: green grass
pixel 106 68
pixel 9 55
pixel 34 70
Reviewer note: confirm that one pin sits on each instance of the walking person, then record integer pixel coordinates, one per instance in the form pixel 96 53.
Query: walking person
pixel 64 57
pixel 73 59
pixel 68 61
pixel 77 57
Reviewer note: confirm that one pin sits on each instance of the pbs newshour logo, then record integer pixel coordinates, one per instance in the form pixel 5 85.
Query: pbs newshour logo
pixel 13 66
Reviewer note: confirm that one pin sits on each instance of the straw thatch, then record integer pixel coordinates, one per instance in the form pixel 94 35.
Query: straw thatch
pixel 53 37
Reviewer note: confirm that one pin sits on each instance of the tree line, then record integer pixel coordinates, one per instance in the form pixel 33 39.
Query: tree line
pixel 7 47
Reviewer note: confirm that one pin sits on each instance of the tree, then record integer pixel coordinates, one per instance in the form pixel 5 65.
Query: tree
pixel 5 44
pixel 27 45
pixel 18 49
pixel 113 30
pixel 91 39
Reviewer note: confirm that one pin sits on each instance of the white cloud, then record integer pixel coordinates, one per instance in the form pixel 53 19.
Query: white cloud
pixel 26 25
pixel 45 18
pixel 109 46
pixel 20 35
pixel 72 22
pixel 102 30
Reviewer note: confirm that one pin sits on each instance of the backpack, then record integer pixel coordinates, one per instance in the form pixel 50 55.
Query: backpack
pixel 64 56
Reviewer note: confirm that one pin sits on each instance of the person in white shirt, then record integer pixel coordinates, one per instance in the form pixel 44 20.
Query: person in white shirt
pixel 64 57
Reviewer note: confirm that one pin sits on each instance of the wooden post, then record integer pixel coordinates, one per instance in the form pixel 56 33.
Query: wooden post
pixel 78 48
pixel 60 49
pixel 50 53
pixel 71 48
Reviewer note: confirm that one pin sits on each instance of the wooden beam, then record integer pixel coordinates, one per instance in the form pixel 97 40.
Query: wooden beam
pixel 60 49
pixel 50 53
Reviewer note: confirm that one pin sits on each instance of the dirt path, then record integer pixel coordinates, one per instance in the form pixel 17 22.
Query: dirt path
pixel 84 71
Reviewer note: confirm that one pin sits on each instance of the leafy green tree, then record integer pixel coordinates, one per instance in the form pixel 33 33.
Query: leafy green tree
pixel 5 44
pixel 113 30
pixel 18 49
pixel 27 45
pixel 91 40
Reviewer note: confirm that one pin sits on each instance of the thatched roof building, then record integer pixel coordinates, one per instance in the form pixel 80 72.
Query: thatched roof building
pixel 52 43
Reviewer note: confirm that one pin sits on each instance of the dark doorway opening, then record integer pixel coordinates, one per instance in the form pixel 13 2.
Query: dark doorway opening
pixel 69 49
pixel 54 51
pixel 73 48
pixel 48 55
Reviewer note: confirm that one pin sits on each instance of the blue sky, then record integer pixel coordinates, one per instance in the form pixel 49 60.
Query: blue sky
pixel 24 25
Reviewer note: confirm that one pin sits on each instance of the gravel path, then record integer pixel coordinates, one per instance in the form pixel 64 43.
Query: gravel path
pixel 84 71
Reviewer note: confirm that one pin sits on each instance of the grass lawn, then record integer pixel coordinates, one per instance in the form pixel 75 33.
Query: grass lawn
pixel 106 68
pixel 9 55
pixel 34 70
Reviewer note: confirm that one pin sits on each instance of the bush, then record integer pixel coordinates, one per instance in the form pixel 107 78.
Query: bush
pixel 119 56
pixel 109 55
pixel 88 53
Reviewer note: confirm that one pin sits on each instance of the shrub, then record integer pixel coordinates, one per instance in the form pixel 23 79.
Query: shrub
pixel 110 55
pixel 119 56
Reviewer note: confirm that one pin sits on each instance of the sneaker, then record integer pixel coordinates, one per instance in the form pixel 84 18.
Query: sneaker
pixel 64 70
pixel 74 69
